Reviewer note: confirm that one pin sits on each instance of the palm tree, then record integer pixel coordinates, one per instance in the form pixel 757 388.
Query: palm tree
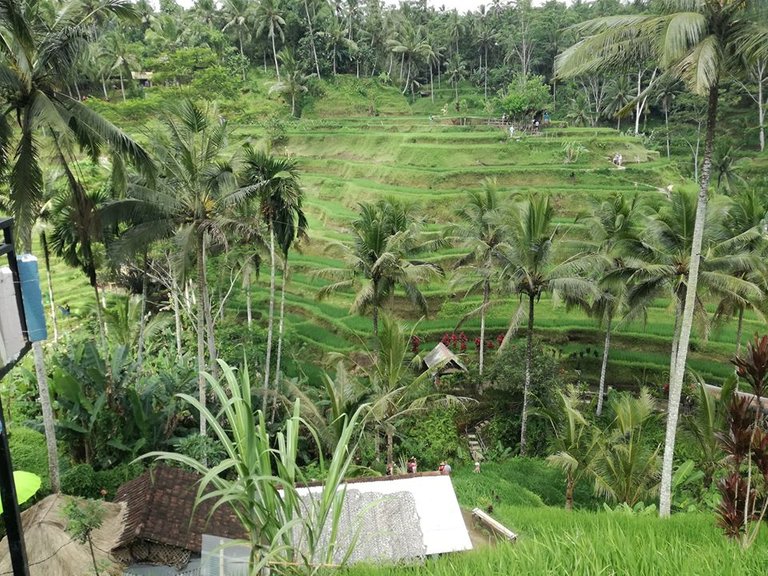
pixel 280 199
pixel 530 268
pixel 77 226
pixel 239 14
pixel 576 442
pixel 456 70
pixel 386 238
pixel 37 57
pixel 270 20
pixel 188 203
pixel 483 232
pixel 619 95
pixel 613 231
pixel 294 82
pixel 701 43
pixel 395 389
pixel 337 36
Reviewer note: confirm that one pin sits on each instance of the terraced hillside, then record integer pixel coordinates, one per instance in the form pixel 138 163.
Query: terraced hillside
pixel 347 156
pixel 433 163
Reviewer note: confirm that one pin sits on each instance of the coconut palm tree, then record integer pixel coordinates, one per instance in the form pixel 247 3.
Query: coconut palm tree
pixel 386 238
pixel 576 442
pixel 280 198
pixel 613 229
pixel 701 42
pixel 483 232
pixel 455 69
pixel 188 203
pixel 239 14
pixel 270 20
pixel 294 82
pixel 37 58
pixel 531 267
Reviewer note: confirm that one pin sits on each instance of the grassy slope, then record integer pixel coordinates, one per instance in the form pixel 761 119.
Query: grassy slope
pixel 554 542
pixel 348 156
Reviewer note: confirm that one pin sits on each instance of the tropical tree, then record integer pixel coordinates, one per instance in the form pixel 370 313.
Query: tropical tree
pixel 294 82
pixel 576 442
pixel 701 42
pixel 386 238
pixel 613 229
pixel 338 37
pixel 483 232
pixel 455 69
pixel 189 203
pixel 37 57
pixel 77 226
pixel 395 388
pixel 239 14
pixel 280 198
pixel 531 268
pixel 627 469
pixel 270 20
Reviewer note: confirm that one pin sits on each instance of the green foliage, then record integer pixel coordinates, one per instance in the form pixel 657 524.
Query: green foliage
pixel 80 480
pixel 183 65
pixel 524 96
pixel 433 438
pixel 29 452
pixel 215 81
pixel 83 518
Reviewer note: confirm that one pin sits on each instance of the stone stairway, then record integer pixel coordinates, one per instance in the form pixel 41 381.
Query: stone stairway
pixel 475 441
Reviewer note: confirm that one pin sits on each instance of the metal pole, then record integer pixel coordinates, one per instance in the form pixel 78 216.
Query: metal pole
pixel 11 516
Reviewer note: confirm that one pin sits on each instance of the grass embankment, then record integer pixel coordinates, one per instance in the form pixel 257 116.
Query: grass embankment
pixel 528 497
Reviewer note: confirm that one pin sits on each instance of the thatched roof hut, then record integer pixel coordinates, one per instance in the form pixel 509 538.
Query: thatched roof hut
pixel 442 357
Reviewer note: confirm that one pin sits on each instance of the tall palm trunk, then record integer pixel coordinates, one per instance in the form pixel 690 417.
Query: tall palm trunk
pixel 122 85
pixel 274 53
pixel 390 449
pixel 201 387
pixel 45 394
pixel 213 365
pixel 431 84
pixel 676 386
pixel 49 281
pixel 376 310
pixel 312 39
pixel 486 297
pixel 569 486
pixel 177 321
pixel 527 387
pixel 48 426
pixel 485 73
pixel 281 322
pixel 604 366
pixel 739 329
pixel 143 319
pixel 666 125
pixel 675 337
pixel 99 314
pixel 407 77
pixel 271 320
pixel 247 286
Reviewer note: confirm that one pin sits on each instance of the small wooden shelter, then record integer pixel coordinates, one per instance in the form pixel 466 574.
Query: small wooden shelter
pixel 442 357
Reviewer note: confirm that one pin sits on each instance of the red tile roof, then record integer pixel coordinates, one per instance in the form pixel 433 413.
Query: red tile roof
pixel 160 505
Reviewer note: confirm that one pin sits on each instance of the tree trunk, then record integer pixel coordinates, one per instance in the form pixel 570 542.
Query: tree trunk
pixel 104 88
pixel 761 105
pixel 271 318
pixel 213 366
pixel 47 256
pixel 293 104
pixel 390 450
pixel 177 319
pixel 604 366
pixel 274 53
pixel 431 84
pixel 334 59
pixel 48 421
pixel 93 556
pixel 247 285
pixel 666 126
pixel 569 486
pixel 312 39
pixel 122 85
pixel 739 328
pixel 486 296
pixel 376 311
pixel 201 387
pixel 675 338
pixel 485 73
pixel 100 320
pixel 407 78
pixel 143 319
pixel 527 387
pixel 665 499
pixel 280 324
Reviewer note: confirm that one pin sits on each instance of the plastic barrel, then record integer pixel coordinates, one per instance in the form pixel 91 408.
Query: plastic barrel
pixel 33 298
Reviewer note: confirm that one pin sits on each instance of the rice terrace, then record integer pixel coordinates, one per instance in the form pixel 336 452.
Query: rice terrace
pixel 295 287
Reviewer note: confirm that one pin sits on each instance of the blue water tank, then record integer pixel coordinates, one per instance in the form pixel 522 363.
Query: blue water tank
pixel 32 297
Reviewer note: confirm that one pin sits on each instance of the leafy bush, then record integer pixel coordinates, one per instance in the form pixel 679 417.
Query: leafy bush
pixel 433 438
pixel 29 452
pixel 80 480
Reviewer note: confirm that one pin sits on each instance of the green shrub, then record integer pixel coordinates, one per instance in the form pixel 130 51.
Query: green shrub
pixel 433 438
pixel 80 481
pixel 108 481
pixel 29 452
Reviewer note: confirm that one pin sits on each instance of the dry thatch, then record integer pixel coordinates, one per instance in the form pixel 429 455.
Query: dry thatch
pixel 51 551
